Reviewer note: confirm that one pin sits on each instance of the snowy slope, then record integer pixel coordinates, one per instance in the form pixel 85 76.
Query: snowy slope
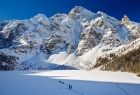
pixel 83 83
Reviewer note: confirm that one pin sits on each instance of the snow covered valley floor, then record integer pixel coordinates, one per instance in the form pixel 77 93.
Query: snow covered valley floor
pixel 56 83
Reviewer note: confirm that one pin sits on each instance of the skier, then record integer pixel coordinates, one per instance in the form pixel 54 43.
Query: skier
pixel 70 86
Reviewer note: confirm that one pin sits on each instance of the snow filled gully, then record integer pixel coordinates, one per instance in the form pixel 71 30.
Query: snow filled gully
pixel 68 82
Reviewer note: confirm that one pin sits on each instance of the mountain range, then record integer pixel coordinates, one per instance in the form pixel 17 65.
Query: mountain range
pixel 80 39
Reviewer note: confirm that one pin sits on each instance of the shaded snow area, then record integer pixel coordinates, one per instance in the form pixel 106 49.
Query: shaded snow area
pixel 57 83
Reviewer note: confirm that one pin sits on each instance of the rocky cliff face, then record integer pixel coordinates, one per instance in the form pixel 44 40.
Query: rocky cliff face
pixel 133 27
pixel 77 39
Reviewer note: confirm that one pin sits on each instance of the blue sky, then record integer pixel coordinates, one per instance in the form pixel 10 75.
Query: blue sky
pixel 22 9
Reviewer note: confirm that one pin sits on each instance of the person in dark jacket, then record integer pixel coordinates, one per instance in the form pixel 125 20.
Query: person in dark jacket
pixel 70 86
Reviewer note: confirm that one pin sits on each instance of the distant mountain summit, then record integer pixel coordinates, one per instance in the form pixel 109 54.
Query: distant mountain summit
pixel 80 39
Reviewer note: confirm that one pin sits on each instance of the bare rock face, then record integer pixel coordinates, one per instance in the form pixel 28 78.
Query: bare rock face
pixel 89 39
pixel 133 27
pixel 52 44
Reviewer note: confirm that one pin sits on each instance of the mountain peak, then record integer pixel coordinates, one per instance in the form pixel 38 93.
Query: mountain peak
pixel 40 18
pixel 78 8
pixel 40 15
pixel 103 15
pixel 125 20
pixel 81 13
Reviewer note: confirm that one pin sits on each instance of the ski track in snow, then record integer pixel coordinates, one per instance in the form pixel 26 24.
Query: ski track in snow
pixel 122 89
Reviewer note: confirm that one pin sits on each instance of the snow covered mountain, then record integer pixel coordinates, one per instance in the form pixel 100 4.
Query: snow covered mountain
pixel 79 39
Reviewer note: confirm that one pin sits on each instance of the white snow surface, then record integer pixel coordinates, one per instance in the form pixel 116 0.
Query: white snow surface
pixel 83 83
pixel 58 58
